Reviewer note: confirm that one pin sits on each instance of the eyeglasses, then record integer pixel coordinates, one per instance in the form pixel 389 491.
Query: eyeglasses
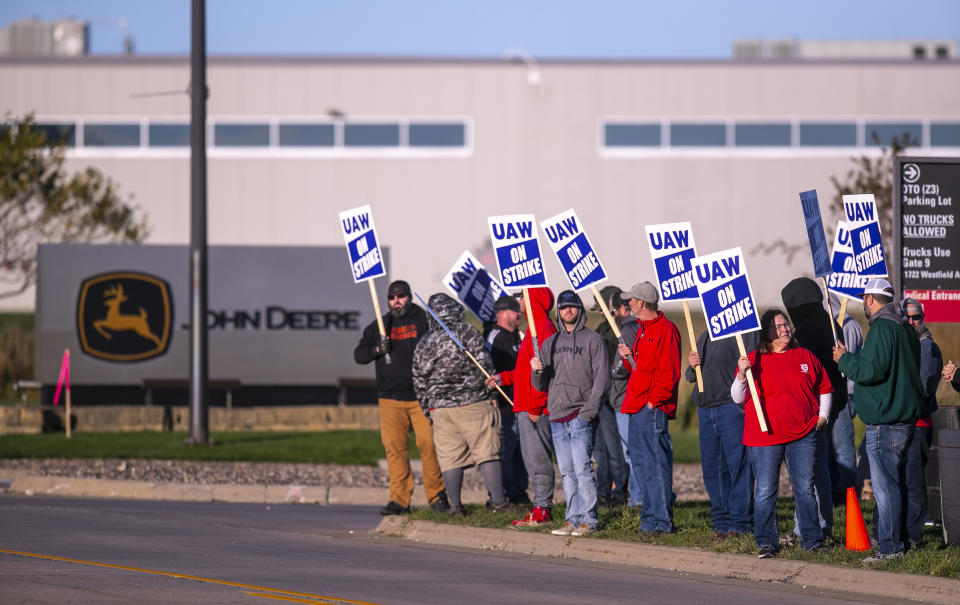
pixel 395 296
pixel 784 327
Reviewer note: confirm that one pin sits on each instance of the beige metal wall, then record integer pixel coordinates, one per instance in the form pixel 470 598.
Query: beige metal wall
pixel 534 148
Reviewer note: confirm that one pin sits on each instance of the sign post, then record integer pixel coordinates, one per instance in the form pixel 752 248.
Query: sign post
pixel 728 304
pixel 469 281
pixel 818 245
pixel 363 252
pixel 579 261
pixel 519 261
pixel 672 250
pixel 926 234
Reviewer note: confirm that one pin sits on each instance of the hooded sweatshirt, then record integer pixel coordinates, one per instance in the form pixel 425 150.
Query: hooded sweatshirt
pixel 575 374
pixel 443 375
pixel 887 370
pixel 404 332
pixel 657 353
pixel 931 365
pixel 525 397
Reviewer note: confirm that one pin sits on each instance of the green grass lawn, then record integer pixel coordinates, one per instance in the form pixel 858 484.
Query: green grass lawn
pixel 333 447
pixel 694 530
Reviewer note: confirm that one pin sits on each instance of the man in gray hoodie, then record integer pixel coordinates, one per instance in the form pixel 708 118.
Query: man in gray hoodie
pixel 572 370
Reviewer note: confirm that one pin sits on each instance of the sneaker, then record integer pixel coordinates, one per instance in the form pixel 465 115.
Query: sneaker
pixel 493 508
pixel 766 552
pixel 441 504
pixel 458 512
pixel 537 516
pixel 566 530
pixel 881 557
pixel 583 530
pixel 392 508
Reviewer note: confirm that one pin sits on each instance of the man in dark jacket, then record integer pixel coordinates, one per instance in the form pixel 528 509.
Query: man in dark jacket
pixel 451 389
pixel 889 398
pixel 503 340
pixel 400 412
pixel 612 470
pixel 803 300
pixel 572 370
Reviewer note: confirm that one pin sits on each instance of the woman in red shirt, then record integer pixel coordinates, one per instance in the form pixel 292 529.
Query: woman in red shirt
pixel 795 397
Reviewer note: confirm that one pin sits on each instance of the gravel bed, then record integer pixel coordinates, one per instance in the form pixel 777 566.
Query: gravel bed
pixel 687 478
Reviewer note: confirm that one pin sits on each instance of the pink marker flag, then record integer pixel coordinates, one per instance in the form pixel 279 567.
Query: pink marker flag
pixel 64 376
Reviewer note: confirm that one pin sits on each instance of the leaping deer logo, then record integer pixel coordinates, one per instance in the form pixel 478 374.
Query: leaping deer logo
pixel 118 322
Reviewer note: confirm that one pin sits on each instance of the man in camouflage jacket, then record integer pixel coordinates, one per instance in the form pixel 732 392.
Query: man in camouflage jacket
pixel 451 390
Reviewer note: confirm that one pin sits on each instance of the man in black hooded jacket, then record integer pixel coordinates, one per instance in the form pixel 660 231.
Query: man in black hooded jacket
pixel 803 300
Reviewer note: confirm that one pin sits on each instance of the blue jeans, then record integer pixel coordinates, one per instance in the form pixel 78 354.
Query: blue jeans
pixel 573 444
pixel 887 451
pixel 915 473
pixel 821 486
pixel 635 497
pixel 511 463
pixel 843 459
pixel 800 455
pixel 726 467
pixel 611 467
pixel 652 463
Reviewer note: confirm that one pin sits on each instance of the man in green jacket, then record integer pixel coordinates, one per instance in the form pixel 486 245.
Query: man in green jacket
pixel 889 396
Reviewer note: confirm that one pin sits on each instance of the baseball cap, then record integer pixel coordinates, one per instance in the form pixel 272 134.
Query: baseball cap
pixel 605 294
pixel 617 300
pixel 506 303
pixel 398 288
pixel 644 291
pixel 569 298
pixel 879 286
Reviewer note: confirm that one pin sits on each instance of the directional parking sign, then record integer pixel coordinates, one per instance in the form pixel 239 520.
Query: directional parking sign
pixel 725 293
pixel 672 250
pixel 577 257
pixel 844 279
pixel 814 225
pixel 517 248
pixel 469 281
pixel 362 248
pixel 868 256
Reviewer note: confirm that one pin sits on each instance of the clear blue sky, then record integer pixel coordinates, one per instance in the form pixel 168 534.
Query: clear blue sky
pixel 484 28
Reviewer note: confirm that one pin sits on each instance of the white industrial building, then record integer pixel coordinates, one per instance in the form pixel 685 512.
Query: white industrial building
pixel 437 145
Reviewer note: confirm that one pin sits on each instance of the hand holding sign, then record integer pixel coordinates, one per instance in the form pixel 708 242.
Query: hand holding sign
pixel 672 250
pixel 363 252
pixel 728 304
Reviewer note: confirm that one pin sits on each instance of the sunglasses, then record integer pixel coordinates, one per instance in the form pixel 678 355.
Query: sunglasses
pixel 915 317
pixel 395 296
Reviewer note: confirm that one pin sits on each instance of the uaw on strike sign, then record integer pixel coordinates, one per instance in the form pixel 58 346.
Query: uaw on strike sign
pixel 725 293
pixel 469 281
pixel 517 248
pixel 861 213
pixel 844 280
pixel 570 244
pixel 672 250
pixel 360 236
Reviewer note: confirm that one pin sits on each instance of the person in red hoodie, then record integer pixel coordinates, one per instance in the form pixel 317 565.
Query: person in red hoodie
pixel 530 407
pixel 651 401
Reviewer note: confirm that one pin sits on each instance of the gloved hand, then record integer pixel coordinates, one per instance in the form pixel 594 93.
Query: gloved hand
pixel 384 347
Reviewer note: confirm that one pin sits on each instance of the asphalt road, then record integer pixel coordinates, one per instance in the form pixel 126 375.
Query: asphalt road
pixel 138 552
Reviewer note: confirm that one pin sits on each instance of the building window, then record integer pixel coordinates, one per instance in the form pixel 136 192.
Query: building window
pixel 371 135
pixel 876 133
pixel 169 135
pixel 762 135
pixel 57 133
pixel 945 134
pixel 828 135
pixel 698 135
pixel 919 52
pixel 437 135
pixel 111 135
pixel 241 135
pixel 942 52
pixel 631 135
pixel 306 135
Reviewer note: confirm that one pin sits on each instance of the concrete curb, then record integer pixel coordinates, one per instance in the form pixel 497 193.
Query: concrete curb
pixel 23 483
pixel 927 589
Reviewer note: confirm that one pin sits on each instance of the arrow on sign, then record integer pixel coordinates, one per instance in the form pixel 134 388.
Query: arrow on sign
pixel 911 172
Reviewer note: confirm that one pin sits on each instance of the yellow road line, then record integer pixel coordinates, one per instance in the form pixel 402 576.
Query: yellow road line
pixel 182 576
pixel 284 598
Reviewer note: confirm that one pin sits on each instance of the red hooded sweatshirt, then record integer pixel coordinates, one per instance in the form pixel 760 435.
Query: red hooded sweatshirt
pixel 657 353
pixel 525 397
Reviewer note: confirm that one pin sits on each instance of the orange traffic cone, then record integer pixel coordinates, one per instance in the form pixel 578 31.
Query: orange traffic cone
pixel 857 538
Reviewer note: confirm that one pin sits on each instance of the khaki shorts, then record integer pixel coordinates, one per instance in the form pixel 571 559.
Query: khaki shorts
pixel 466 435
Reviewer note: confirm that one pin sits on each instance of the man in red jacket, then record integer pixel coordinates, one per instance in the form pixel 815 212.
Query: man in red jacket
pixel 530 407
pixel 651 400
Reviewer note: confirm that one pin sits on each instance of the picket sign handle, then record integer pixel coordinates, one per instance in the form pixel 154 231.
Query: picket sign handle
pixel 693 344
pixel 66 355
pixel 753 387
pixel 531 322
pixel 833 324
pixel 843 312
pixel 376 310
pixel 477 363
pixel 613 323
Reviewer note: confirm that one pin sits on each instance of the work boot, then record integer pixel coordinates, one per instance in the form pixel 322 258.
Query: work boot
pixel 392 508
pixel 441 504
